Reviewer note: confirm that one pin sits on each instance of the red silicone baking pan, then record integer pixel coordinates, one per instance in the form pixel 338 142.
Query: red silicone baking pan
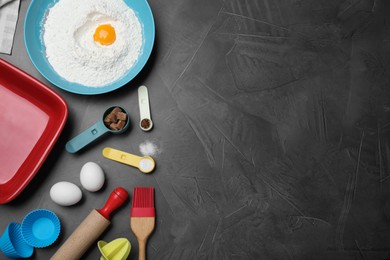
pixel 32 117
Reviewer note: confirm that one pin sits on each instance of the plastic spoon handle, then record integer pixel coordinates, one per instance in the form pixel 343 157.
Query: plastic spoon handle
pixel 86 137
pixel 122 157
pixel 143 101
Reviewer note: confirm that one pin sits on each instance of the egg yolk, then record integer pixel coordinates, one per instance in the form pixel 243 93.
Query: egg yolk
pixel 104 34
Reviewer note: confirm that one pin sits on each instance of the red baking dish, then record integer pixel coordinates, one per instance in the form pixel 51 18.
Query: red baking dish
pixel 32 117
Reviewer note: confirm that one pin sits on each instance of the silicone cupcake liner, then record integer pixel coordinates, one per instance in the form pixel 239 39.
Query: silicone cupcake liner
pixel 40 228
pixel 12 243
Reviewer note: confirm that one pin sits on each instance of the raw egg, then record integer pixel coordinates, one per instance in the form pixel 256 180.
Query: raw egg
pixel 65 193
pixel 105 34
pixel 92 176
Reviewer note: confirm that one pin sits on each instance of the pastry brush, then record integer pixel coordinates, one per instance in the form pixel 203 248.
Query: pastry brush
pixel 142 217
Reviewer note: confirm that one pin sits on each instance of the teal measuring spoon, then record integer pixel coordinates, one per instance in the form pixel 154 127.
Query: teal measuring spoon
pixel 94 132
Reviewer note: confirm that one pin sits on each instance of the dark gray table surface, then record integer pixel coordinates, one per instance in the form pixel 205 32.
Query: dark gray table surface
pixel 272 123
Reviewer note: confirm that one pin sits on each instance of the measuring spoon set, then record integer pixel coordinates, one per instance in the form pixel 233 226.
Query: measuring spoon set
pixel 145 164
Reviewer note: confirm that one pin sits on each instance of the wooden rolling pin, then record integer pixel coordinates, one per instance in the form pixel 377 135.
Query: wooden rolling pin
pixel 91 228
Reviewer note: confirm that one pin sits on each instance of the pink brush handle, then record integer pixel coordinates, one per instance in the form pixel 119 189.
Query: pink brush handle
pixel 116 199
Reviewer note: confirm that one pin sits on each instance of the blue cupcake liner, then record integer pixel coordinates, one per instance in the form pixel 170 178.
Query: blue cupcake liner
pixel 12 243
pixel 40 228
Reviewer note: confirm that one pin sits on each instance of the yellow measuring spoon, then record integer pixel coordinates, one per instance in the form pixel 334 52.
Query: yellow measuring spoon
pixel 145 164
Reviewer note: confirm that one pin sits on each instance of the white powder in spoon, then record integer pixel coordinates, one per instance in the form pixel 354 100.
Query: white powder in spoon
pixel 72 49
pixel 146 165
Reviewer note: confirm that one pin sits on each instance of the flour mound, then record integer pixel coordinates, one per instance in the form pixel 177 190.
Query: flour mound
pixel 71 50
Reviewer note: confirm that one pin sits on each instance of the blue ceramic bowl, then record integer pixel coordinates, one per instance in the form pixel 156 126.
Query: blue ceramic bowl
pixel 40 228
pixel 33 27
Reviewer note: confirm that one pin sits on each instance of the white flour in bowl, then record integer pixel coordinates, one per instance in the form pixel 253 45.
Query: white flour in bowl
pixel 72 49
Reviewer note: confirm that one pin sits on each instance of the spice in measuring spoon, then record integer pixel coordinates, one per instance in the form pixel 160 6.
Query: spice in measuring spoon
pixel 146 122
pixel 145 164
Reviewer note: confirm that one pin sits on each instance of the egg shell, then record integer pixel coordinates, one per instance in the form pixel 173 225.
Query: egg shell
pixel 92 176
pixel 65 193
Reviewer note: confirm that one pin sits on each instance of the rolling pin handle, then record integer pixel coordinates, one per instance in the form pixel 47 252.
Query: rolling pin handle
pixel 116 199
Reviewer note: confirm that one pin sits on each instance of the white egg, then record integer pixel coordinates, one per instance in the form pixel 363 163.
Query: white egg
pixel 65 193
pixel 92 177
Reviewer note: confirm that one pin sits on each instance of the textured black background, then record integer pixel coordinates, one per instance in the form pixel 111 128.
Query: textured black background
pixel 272 119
